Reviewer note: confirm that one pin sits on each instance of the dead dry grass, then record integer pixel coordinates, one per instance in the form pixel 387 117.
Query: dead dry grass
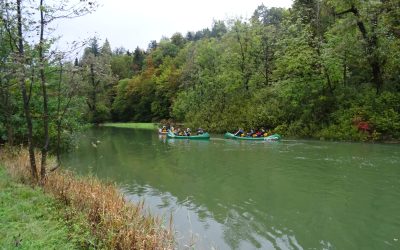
pixel 114 222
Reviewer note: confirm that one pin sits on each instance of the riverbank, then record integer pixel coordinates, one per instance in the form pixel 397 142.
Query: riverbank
pixel 30 219
pixel 131 125
pixel 90 213
pixel 361 137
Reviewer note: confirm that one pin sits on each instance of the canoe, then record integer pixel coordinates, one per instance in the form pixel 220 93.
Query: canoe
pixel 204 136
pixel 274 137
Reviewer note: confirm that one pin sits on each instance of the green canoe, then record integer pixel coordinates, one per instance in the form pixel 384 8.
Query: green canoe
pixel 274 137
pixel 204 136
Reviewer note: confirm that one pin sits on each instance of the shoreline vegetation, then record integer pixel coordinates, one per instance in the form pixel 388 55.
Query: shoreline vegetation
pixel 30 219
pixel 87 212
pixel 130 125
pixel 144 125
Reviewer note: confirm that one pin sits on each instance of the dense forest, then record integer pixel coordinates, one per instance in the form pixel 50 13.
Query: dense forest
pixel 324 69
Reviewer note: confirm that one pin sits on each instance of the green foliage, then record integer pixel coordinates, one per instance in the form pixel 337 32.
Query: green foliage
pixel 380 112
pixel 315 70
pixel 70 114
pixel 121 66
pixel 99 81
pixel 100 115
pixel 310 71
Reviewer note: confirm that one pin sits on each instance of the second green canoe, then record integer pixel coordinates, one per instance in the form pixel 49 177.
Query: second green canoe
pixel 204 136
pixel 274 137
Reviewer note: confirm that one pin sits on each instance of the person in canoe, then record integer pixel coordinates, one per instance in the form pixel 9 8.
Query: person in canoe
pixel 267 132
pixel 178 131
pixel 251 133
pixel 188 132
pixel 260 132
pixel 163 130
pixel 200 131
pixel 240 132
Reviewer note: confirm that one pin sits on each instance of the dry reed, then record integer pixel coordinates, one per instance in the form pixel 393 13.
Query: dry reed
pixel 113 221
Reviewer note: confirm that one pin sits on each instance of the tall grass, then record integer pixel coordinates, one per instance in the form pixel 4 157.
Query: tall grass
pixel 114 222
pixel 30 219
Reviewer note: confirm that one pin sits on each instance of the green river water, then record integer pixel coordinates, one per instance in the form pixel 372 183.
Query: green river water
pixel 226 194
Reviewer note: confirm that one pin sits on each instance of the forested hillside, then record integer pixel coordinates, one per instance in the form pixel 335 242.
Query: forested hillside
pixel 323 69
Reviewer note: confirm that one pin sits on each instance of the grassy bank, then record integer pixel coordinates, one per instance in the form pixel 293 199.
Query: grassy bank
pixel 30 219
pixel 97 210
pixel 131 125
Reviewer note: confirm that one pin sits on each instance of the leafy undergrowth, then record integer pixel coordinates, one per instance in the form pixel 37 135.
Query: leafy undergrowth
pixel 105 219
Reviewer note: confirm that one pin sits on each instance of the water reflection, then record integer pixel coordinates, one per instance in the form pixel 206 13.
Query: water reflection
pixel 162 138
pixel 244 195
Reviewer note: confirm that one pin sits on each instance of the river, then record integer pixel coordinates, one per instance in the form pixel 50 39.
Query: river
pixel 226 194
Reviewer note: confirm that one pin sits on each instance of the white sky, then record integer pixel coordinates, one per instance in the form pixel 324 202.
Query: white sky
pixel 130 23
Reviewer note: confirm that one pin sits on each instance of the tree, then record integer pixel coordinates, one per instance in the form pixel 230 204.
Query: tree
pixel 34 56
pixel 266 27
pixel 49 13
pixel 138 59
pixel 152 45
pixel 178 40
pixel 98 75
pixel 25 97
pixel 367 16
pixel 243 39
pixel 67 81
pixel 218 29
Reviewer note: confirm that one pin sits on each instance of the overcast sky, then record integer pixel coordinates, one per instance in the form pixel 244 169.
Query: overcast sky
pixel 130 23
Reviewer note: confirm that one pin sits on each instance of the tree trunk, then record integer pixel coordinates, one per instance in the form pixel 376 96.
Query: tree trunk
pixel 371 46
pixel 94 85
pixel 242 63
pixel 45 97
pixel 266 60
pixel 27 111
pixel 345 68
pixel 59 118
pixel 377 75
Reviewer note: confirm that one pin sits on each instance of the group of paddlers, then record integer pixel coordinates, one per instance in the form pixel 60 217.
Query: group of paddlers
pixel 253 133
pixel 181 132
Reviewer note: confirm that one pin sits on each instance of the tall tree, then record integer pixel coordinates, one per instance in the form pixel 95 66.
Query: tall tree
pixel 266 27
pixel 19 22
pixel 138 60
pixel 367 17
pixel 48 13
pixel 45 115
pixel 98 74
pixel 25 97
pixel 243 39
